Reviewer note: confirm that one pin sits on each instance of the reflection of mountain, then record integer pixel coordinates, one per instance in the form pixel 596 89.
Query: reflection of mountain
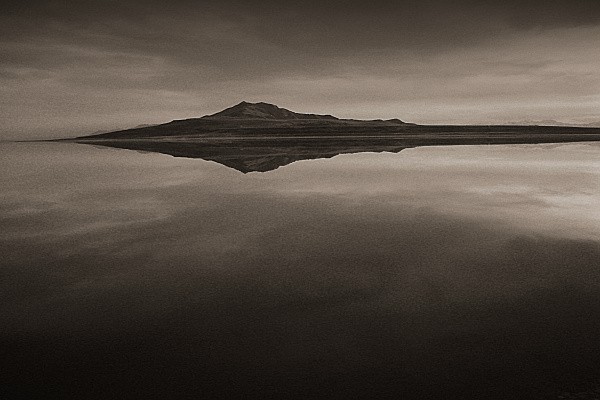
pixel 254 156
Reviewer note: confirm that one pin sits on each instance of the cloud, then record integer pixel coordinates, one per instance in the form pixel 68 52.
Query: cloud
pixel 105 64
pixel 286 272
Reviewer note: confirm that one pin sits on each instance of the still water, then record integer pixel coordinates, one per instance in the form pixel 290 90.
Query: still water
pixel 444 272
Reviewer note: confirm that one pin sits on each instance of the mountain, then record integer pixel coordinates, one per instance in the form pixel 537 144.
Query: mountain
pixel 251 119
pixel 551 122
pixel 259 120
pixel 246 110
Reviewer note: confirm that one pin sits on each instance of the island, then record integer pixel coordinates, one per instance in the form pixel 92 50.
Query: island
pixel 260 137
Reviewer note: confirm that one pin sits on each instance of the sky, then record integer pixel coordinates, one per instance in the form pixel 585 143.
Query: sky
pixel 75 67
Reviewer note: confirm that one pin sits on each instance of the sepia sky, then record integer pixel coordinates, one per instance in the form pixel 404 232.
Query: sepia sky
pixel 74 67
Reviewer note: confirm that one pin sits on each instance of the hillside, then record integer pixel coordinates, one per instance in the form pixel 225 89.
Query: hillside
pixel 246 110
pixel 252 119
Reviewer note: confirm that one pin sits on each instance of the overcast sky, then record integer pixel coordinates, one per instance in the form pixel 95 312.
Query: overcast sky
pixel 74 67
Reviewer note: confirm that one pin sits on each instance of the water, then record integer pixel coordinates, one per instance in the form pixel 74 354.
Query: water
pixel 442 272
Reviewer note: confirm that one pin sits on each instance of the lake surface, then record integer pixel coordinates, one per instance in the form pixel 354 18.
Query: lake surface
pixel 464 272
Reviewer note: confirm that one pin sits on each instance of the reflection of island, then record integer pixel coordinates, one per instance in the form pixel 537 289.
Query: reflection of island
pixel 262 137
pixel 255 155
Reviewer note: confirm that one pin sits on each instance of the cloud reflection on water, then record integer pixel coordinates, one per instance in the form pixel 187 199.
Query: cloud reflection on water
pixel 450 269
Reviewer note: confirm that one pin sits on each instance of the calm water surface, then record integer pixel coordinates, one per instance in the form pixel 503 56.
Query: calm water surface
pixel 446 272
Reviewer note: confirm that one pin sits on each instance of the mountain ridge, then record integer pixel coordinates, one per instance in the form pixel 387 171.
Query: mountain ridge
pixel 263 110
pixel 284 128
pixel 248 119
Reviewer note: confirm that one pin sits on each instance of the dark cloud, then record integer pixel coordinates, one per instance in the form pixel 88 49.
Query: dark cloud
pixel 210 54
pixel 311 26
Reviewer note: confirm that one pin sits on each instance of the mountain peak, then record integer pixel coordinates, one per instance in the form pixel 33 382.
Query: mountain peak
pixel 246 110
